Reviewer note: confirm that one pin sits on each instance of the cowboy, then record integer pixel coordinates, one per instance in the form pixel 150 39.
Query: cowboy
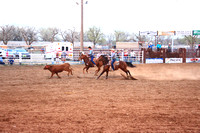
pixel 158 46
pixel 169 49
pixel 113 58
pixel 91 54
pixel 150 45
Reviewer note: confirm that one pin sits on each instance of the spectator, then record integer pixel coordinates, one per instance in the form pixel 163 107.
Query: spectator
pixel 1 60
pixel 63 56
pixel 132 56
pixel 118 55
pixel 150 46
pixel 11 60
pixel 158 46
pixel 43 50
pixel 169 48
pixel 126 55
pixel 57 57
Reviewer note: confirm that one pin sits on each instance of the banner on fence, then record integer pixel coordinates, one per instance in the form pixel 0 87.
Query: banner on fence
pixel 192 60
pixel 154 60
pixel 166 33
pixel 183 33
pixel 173 60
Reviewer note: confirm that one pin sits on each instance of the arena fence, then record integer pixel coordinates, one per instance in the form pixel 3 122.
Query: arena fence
pixel 39 59
pixel 139 56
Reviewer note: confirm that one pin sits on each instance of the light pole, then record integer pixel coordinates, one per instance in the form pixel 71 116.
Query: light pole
pixel 81 37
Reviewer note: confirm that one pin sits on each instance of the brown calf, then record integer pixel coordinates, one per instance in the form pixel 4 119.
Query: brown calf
pixel 55 69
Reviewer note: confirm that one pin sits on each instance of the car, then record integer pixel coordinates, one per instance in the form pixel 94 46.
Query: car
pixel 6 53
pixel 10 52
pixel 23 52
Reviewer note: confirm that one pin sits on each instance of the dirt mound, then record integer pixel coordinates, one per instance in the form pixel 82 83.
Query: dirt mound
pixel 154 72
pixel 167 71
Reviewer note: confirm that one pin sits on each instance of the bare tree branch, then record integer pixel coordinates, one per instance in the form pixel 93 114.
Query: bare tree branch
pixel 49 34
pixel 70 35
pixel 29 35
pixel 6 33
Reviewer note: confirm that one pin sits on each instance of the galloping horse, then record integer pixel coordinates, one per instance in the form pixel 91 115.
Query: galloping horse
pixel 121 64
pixel 88 63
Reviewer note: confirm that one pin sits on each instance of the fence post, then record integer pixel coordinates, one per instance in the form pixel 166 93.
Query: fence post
pixel 31 56
pixel 144 55
pixel 184 55
pixel 164 55
pixel 20 58
pixel 123 55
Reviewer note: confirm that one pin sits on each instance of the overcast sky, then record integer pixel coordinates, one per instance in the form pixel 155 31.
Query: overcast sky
pixel 109 15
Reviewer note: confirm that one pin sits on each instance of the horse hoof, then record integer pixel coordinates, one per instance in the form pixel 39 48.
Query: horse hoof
pixel 133 78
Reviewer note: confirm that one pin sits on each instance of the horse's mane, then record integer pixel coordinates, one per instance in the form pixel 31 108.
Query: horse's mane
pixel 104 59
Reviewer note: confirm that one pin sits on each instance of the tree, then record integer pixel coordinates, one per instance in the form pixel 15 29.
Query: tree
pixel 70 35
pixel 95 35
pixel 6 33
pixel 141 38
pixel 121 36
pixel 49 34
pixel 190 40
pixel 110 38
pixel 17 36
pixel 29 35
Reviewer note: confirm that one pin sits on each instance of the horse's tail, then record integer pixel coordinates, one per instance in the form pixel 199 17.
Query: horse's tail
pixel 130 64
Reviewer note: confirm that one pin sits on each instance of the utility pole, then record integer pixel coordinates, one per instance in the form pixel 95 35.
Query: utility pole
pixel 81 37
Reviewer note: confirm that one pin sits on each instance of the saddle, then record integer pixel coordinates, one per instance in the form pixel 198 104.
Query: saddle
pixel 115 63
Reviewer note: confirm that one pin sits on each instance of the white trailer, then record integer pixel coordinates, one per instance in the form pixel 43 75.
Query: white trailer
pixel 59 47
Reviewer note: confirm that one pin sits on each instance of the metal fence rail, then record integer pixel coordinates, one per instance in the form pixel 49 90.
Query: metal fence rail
pixel 39 59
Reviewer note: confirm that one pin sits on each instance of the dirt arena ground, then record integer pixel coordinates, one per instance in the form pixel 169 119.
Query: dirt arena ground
pixel 165 98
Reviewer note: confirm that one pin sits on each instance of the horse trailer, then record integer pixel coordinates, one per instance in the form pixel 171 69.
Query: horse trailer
pixel 59 47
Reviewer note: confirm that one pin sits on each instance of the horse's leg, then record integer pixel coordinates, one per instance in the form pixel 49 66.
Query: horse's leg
pixel 100 74
pixel 105 69
pixel 84 69
pixel 107 74
pixel 87 68
pixel 129 73
pixel 97 71
pixel 126 71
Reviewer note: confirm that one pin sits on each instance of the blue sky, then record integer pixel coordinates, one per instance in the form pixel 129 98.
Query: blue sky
pixel 109 15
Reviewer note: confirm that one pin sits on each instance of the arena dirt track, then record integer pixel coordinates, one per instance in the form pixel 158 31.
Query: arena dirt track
pixel 165 98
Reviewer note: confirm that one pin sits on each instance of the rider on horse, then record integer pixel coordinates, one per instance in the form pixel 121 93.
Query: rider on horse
pixel 91 54
pixel 113 58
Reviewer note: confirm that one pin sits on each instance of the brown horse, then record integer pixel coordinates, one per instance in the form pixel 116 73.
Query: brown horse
pixel 121 64
pixel 88 63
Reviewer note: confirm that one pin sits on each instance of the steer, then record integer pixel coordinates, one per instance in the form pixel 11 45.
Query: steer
pixel 55 69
